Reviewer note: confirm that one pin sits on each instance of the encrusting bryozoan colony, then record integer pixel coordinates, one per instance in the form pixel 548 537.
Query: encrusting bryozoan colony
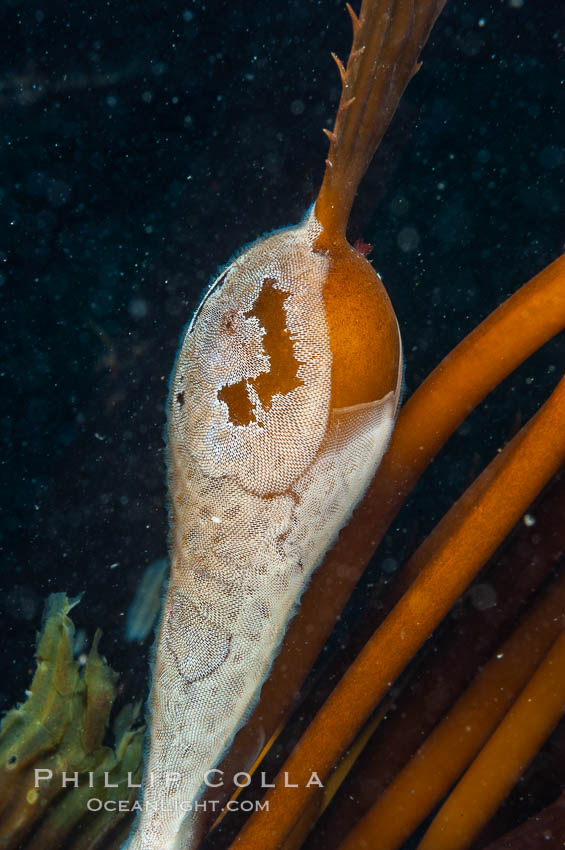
pixel 282 401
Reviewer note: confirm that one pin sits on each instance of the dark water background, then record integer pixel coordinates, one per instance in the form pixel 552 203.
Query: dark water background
pixel 141 147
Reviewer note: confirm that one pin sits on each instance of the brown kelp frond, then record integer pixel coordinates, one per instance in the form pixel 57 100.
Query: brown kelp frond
pixel 388 37
pixel 516 329
pixel 462 542
pixel 467 641
pixel 59 730
pixel 504 758
pixel 423 782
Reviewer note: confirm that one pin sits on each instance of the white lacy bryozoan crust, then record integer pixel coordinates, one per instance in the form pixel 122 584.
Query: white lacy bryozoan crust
pixel 261 481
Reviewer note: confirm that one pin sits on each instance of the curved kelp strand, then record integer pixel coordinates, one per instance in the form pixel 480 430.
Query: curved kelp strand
pixel 455 551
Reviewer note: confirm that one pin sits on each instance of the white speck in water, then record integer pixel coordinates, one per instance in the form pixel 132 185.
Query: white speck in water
pixel 399 205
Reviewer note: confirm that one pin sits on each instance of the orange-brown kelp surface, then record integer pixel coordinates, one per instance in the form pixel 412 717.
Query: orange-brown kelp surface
pixel 130 139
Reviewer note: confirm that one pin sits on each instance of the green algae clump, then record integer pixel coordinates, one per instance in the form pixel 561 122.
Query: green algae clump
pixel 53 759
